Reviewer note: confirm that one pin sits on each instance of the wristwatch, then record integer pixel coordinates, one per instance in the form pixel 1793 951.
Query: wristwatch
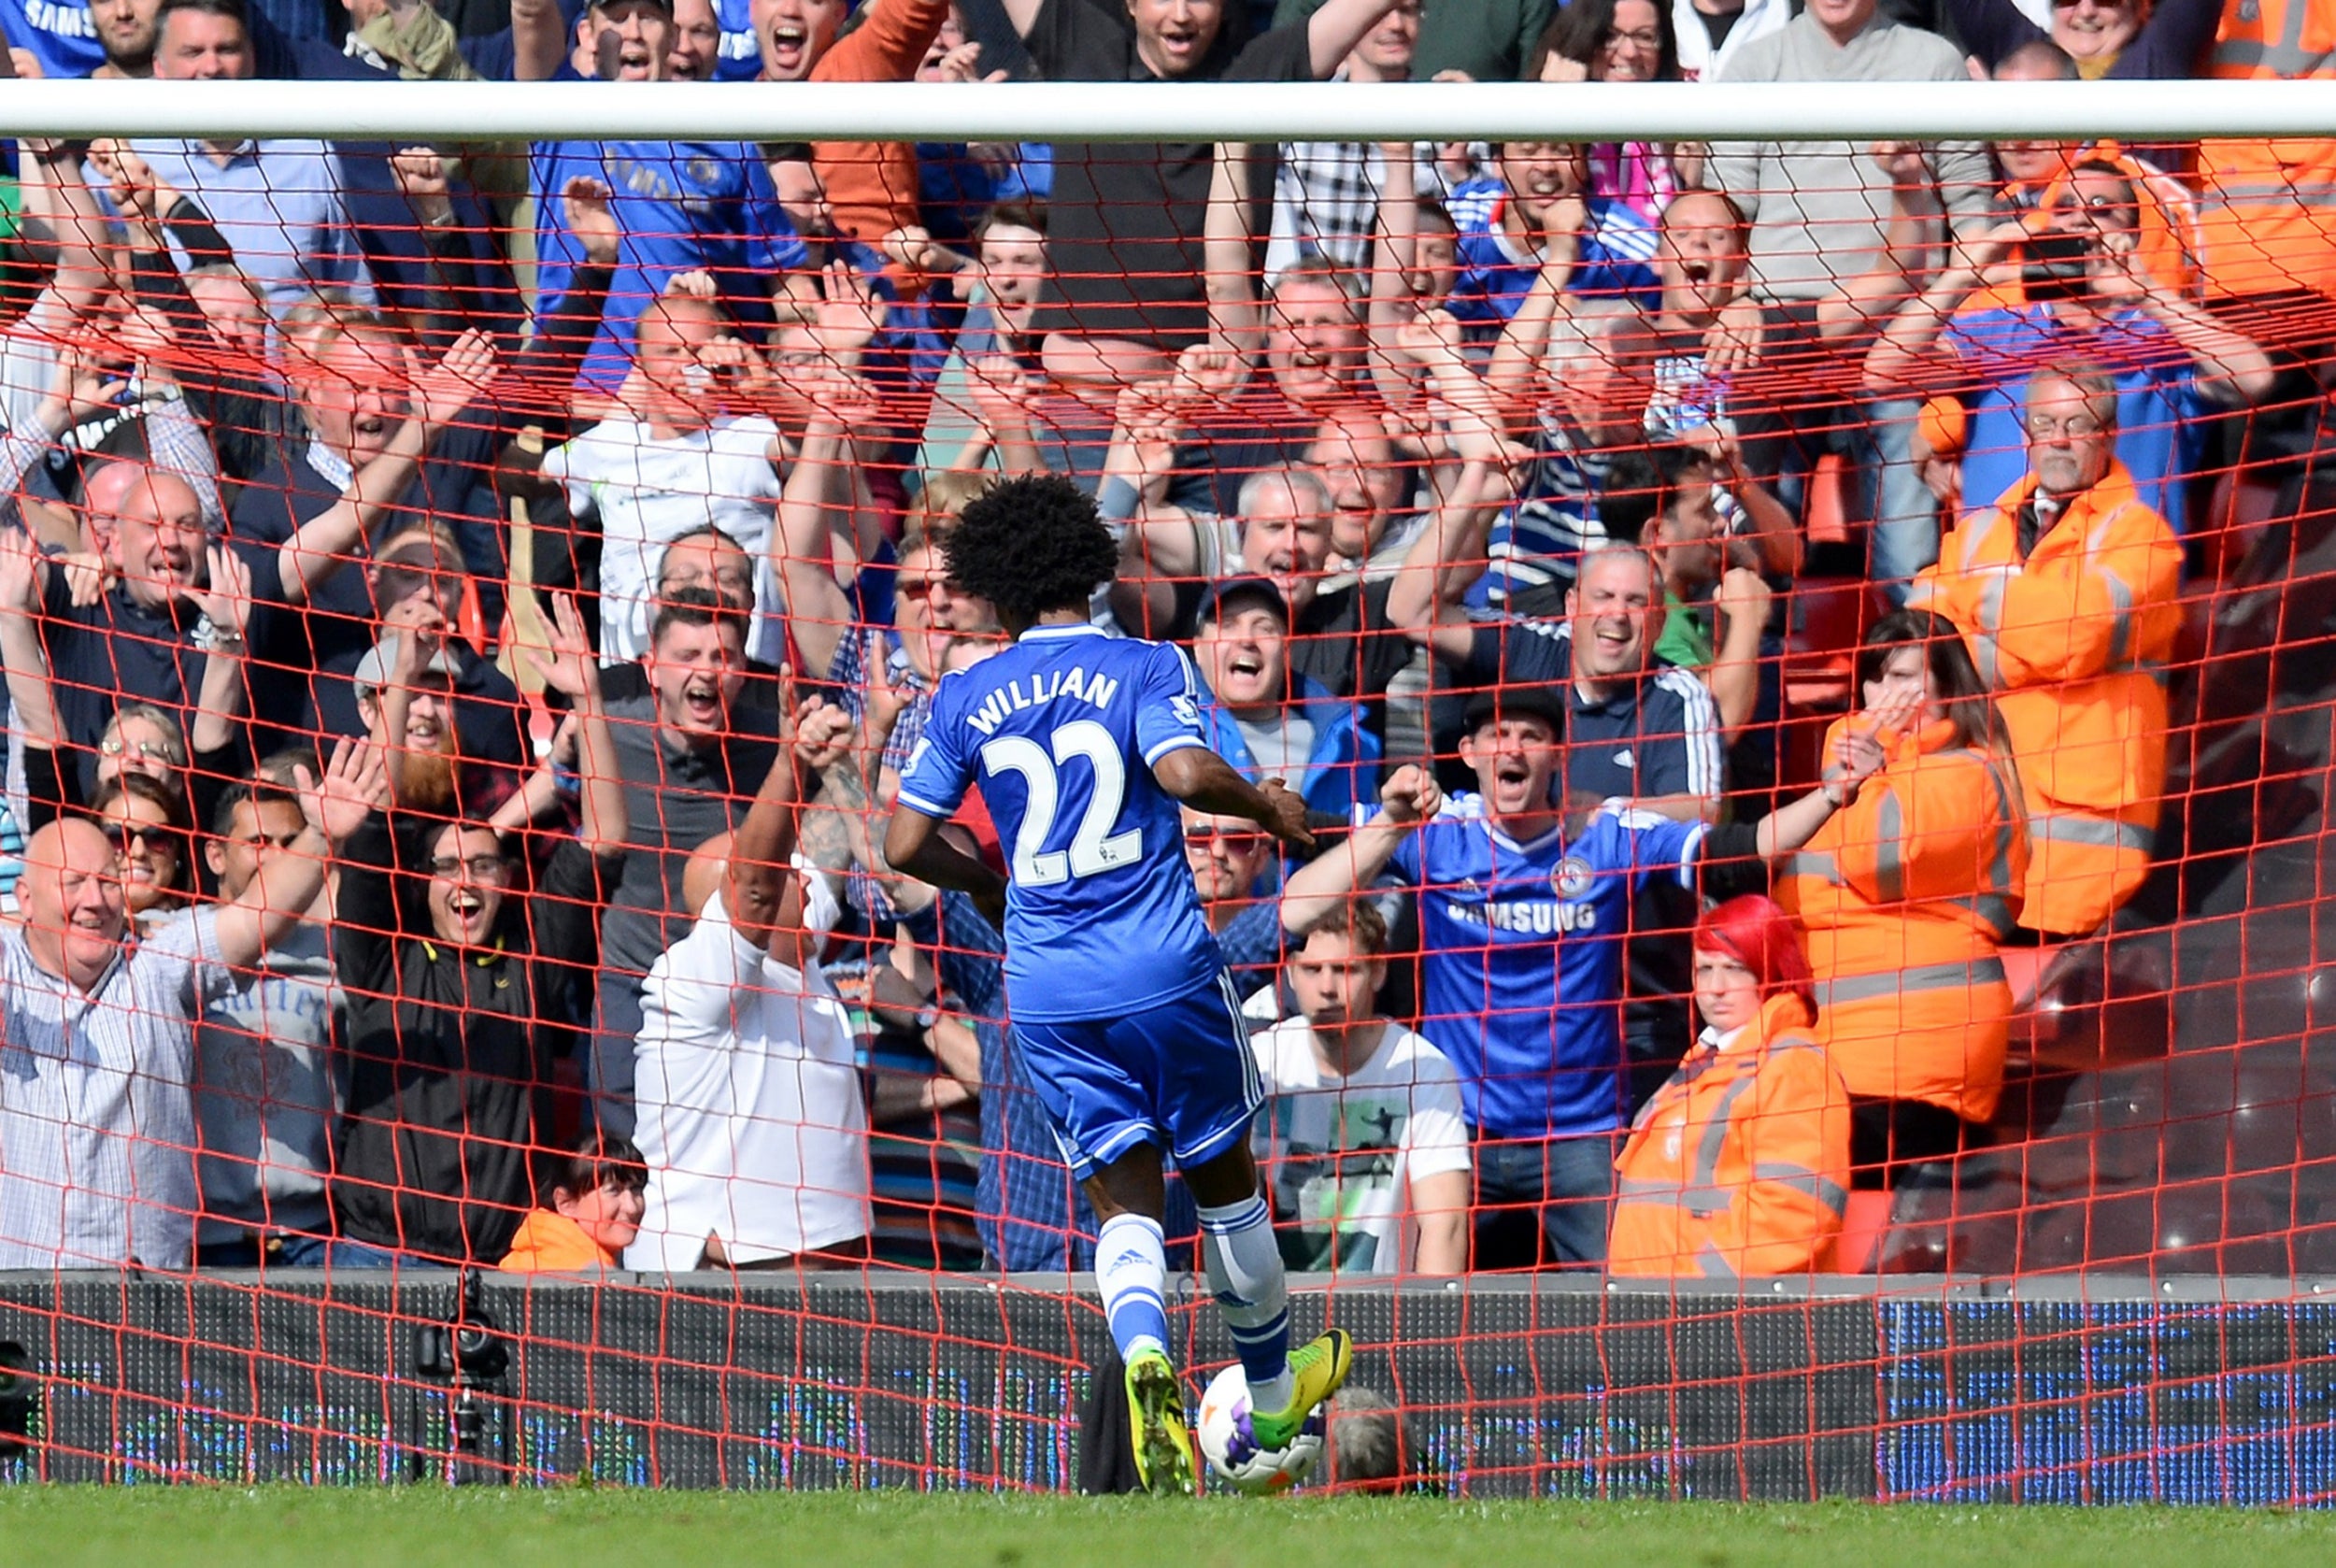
pixel 208 636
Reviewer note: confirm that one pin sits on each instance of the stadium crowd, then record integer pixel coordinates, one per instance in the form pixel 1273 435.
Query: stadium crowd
pixel 466 611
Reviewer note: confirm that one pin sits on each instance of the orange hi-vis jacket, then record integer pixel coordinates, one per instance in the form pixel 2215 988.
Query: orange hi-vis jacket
pixel 2268 207
pixel 1904 897
pixel 1740 1164
pixel 2075 641
pixel 871 186
pixel 551 1243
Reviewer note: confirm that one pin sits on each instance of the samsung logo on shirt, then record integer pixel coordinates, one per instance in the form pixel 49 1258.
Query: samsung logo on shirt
pixel 1017 694
pixel 1533 916
pixel 66 22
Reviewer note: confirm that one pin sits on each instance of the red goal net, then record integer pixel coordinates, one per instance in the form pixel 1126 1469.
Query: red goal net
pixel 1798 680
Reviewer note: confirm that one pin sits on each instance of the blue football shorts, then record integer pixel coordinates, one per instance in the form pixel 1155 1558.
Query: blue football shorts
pixel 1179 1075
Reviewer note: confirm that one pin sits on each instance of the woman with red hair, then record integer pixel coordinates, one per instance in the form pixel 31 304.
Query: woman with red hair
pixel 1740 1164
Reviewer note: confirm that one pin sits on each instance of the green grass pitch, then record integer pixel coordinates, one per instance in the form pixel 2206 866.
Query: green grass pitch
pixel 158 1527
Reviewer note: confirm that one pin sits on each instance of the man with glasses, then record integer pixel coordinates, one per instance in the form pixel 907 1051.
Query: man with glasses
pixel 2088 293
pixel 1230 858
pixel 459 999
pixel 2068 592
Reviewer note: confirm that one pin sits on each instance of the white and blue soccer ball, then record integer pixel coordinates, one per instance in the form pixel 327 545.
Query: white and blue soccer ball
pixel 1231 1446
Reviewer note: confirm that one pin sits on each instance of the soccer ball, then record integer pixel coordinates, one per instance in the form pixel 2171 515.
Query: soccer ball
pixel 1231 1449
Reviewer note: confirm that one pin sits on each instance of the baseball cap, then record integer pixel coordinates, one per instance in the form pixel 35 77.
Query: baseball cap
pixel 373 670
pixel 1518 701
pixel 1264 588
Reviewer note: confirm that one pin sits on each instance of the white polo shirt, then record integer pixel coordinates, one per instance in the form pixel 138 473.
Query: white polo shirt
pixel 747 1089
pixel 647 492
pixel 97 1163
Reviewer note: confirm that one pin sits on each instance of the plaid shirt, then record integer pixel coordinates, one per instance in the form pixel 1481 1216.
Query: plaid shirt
pixel 1326 201
pixel 1032 1215
pixel 854 656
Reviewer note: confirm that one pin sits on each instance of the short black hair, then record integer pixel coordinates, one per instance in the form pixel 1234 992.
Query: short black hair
pixel 257 791
pixel 1632 493
pixel 235 8
pixel 599 1161
pixel 1030 545
pixel 695 607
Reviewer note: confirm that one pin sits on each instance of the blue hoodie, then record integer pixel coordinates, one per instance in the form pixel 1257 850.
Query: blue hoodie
pixel 1343 769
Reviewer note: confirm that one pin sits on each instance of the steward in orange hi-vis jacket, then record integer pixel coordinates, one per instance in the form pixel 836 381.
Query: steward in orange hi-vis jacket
pixel 2268 207
pixel 1904 897
pixel 2066 591
pixel 1740 1164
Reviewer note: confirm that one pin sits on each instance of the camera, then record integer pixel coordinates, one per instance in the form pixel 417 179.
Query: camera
pixel 2058 267
pixel 19 1400
pixel 469 1354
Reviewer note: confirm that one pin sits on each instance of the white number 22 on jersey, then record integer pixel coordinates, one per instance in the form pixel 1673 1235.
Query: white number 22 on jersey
pixel 1090 851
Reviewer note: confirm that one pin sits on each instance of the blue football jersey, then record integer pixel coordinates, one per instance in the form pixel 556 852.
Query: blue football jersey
pixel 1060 730
pixel 682 206
pixel 1522 986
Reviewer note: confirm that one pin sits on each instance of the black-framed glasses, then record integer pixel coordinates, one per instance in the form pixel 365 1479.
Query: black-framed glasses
pixel 483 868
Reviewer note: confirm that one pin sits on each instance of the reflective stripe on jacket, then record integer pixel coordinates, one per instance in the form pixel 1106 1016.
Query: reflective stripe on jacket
pixel 1740 1164
pixel 2075 641
pixel 2268 207
pixel 1904 897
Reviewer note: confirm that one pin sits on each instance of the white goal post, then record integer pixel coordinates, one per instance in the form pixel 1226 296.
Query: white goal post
pixel 1200 111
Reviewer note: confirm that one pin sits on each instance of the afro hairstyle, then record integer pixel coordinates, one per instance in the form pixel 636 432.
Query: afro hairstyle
pixel 1031 545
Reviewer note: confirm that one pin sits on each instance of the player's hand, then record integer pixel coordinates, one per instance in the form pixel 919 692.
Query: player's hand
pixel 23 572
pixel 1288 821
pixel 225 597
pixel 1737 338
pixel 437 395
pixel 88 577
pixel 355 783
pixel 565 661
pixel 1410 796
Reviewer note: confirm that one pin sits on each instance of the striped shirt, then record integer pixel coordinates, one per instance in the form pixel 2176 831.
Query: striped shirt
pixel 97 1121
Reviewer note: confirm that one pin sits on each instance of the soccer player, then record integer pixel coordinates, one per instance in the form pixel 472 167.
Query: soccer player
pixel 1083 745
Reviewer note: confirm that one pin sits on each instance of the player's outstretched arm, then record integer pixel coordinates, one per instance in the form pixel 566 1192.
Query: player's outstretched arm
pixel 1407 799
pixel 1207 782
pixel 913 846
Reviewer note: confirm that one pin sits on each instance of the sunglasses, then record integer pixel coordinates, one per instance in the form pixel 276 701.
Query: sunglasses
pixel 127 835
pixel 1232 839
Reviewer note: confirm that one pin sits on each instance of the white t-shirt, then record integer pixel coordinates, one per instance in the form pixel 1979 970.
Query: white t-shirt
pixel 647 492
pixel 747 1090
pixel 1342 1152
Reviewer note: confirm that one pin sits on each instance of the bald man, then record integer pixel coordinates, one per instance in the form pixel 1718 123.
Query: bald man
pixel 96 1035
pixel 746 1083
pixel 145 638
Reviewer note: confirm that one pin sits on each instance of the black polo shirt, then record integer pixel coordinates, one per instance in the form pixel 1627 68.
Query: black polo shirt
pixel 118 651
pixel 676 798
pixel 1124 236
